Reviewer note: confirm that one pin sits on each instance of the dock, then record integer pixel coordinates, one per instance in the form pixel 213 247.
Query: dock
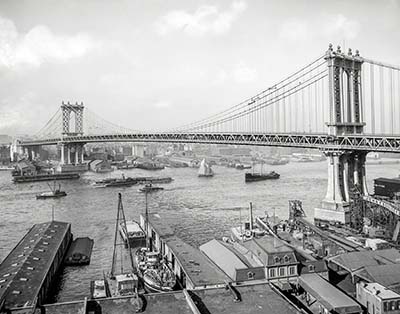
pixel 29 271
pixel 45 177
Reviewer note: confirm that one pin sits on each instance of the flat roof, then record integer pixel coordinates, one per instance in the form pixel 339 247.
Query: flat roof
pixel 22 272
pixel 255 299
pixel 328 295
pixel 381 291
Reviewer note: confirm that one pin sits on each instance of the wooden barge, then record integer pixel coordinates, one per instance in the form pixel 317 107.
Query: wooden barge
pixel 45 177
pixel 29 271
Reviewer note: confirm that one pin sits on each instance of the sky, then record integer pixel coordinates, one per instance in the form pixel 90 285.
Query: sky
pixel 156 64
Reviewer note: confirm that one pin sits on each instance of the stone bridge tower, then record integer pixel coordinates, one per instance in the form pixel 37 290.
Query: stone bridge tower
pixel 346 169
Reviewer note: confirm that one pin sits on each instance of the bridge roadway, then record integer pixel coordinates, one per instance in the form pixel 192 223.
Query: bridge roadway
pixel 362 142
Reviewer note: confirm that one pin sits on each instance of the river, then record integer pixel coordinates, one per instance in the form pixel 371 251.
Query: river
pixel 198 209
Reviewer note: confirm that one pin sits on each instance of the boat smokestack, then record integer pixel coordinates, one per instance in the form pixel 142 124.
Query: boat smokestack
pixel 251 216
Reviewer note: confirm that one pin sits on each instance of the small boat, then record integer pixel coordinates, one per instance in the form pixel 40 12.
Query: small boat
pixel 242 166
pixel 150 188
pixel 252 177
pixel 54 193
pixel 133 234
pixel 79 252
pixel 205 169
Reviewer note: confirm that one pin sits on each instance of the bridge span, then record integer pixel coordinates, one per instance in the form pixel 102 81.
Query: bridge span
pixel 341 103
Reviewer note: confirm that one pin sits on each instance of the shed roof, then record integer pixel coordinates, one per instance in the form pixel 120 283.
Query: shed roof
pixel 224 258
pixel 352 261
pixel 386 275
pixel 328 295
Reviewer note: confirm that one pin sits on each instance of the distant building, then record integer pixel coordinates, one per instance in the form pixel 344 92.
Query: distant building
pixel 239 151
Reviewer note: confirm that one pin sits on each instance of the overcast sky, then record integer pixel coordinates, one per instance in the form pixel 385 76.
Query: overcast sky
pixel 158 64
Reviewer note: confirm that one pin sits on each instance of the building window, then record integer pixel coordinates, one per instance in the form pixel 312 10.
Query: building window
pixel 292 270
pixel 272 272
pixel 282 272
pixel 385 306
pixel 311 267
pixel 250 275
pixel 286 258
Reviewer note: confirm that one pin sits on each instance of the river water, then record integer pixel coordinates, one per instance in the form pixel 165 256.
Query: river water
pixel 198 209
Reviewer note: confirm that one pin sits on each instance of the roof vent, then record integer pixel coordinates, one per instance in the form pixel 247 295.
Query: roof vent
pixel 30 268
pixel 23 279
pixel 16 292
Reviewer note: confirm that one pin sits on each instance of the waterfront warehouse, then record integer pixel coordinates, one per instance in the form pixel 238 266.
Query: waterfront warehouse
pixel 28 272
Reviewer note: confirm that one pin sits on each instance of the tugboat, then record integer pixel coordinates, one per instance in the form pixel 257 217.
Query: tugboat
pixel 54 193
pixel 150 188
pixel 154 271
pixel 252 177
pixel 205 169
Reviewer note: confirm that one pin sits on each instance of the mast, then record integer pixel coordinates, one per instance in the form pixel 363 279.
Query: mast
pixel 120 220
pixel 147 220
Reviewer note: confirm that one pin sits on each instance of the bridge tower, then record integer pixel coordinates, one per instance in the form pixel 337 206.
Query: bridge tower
pixel 71 153
pixel 346 170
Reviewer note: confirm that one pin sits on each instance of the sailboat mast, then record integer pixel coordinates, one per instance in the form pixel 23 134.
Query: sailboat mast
pixel 121 208
pixel 147 221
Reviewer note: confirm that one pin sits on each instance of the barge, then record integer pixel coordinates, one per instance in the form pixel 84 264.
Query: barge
pixel 45 177
pixel 79 252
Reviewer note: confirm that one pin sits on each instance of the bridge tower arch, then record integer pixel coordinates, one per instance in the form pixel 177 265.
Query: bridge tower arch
pixel 77 110
pixel 346 169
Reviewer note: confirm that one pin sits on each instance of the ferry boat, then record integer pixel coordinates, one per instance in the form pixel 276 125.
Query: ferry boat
pixel 133 234
pixel 148 188
pixel 205 169
pixel 252 177
pixel 54 193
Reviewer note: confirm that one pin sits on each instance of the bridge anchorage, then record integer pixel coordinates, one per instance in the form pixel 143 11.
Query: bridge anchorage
pixel 341 103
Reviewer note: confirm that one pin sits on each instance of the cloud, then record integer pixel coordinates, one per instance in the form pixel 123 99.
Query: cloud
pixel 295 30
pixel 38 45
pixel 340 25
pixel 243 74
pixel 328 26
pixel 206 19
pixel 162 104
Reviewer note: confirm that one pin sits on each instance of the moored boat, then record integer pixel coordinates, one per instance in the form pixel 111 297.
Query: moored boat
pixel 98 289
pixel 79 252
pixel 133 234
pixel 45 177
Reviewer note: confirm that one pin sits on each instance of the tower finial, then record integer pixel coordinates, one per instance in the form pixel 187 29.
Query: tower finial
pixel 357 53
pixel 330 48
pixel 338 49
pixel 350 52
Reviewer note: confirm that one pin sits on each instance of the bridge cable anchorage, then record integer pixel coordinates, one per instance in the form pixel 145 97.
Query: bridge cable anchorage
pixel 245 102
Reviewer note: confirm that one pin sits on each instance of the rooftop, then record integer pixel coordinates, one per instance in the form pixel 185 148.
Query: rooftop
pixel 381 291
pixel 198 268
pixel 328 295
pixel 386 275
pixel 353 261
pixel 23 270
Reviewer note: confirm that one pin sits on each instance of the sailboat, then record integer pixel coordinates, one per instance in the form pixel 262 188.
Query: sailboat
pixel 124 282
pixel 54 192
pixel 205 169
pixel 252 176
pixel 153 269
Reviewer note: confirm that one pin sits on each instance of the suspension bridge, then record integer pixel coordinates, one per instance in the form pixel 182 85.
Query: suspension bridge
pixel 341 103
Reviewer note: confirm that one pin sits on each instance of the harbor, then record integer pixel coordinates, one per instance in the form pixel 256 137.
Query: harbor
pixel 218 157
